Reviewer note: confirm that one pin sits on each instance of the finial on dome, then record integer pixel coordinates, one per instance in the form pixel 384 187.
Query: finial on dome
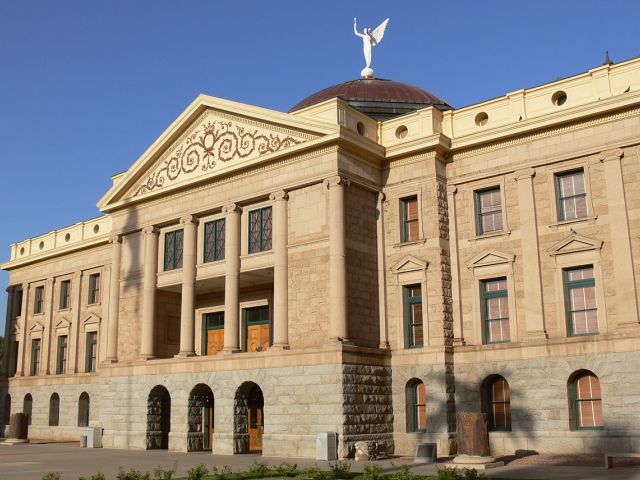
pixel 369 39
pixel 607 60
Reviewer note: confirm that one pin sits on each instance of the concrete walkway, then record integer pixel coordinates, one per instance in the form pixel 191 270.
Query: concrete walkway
pixel 32 461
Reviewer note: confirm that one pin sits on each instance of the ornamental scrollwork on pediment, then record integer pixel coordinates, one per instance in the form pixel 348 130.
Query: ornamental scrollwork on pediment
pixel 214 141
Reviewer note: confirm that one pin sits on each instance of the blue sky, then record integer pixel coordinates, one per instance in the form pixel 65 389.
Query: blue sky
pixel 86 85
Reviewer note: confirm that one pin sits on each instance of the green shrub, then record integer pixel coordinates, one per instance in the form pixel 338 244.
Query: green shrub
pixel 160 473
pixel 221 473
pixel 51 476
pixel 472 474
pixel 371 472
pixel 198 473
pixel 340 470
pixel 286 469
pixel 259 469
pixel 314 473
pixel 132 475
pixel 403 474
pixel 95 476
pixel 449 474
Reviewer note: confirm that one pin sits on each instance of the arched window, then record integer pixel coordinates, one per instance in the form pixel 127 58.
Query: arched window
pixel 27 407
pixel 586 400
pixel 7 409
pixel 497 403
pixel 54 410
pixel 416 399
pixel 83 410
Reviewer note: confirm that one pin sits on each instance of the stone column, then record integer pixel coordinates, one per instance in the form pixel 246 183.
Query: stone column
pixel 23 330
pixel 458 334
pixel 338 328
pixel 114 298
pixel 188 305
pixel 232 278
pixel 280 270
pixel 533 306
pixel 625 285
pixel 74 334
pixel 149 283
pixel 45 353
pixel 382 274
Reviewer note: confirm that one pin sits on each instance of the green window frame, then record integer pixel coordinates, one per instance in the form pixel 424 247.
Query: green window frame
pixel 35 356
pixel 65 294
pixel 255 316
pixel 580 301
pixel 94 289
pixel 413 316
pixel 19 295
pixel 14 357
pixel 495 296
pixel 571 195
pixel 499 405
pixel 488 210
pixel 91 358
pixel 260 230
pixel 214 235
pixel 54 410
pixel 409 219
pixel 211 321
pixel 587 401
pixel 61 363
pixel 417 407
pixel 173 242
pixel 38 300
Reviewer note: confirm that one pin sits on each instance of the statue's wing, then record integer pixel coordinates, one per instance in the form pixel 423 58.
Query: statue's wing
pixel 378 33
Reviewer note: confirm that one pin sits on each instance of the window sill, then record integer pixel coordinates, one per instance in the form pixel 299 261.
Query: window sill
pixel 562 223
pixel 37 314
pixel 412 242
pixel 256 254
pixel 501 233
pixel 64 309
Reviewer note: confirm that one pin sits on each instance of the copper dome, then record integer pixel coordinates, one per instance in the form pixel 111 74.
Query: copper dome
pixel 379 98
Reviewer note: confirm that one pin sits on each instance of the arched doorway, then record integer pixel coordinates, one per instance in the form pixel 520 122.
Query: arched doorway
pixel 84 405
pixel 27 407
pixel 249 418
pixel 158 418
pixel 200 418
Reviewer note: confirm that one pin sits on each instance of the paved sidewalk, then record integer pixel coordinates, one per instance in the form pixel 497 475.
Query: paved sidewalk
pixel 32 461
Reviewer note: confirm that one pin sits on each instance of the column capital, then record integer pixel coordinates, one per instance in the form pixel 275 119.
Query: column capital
pixel 335 181
pixel 50 281
pixel 279 195
pixel 613 154
pixel 151 230
pixel 189 219
pixel 115 238
pixel 452 189
pixel 381 197
pixel 525 174
pixel 231 208
pixel 77 275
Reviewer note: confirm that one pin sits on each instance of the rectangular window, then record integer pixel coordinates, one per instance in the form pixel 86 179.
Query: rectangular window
pixel 413 315
pixel 260 230
pixel 214 240
pixel 65 294
pixel 257 329
pixel 61 364
pixel 19 303
pixel 35 356
pixel 571 195
pixel 495 310
pixel 213 327
pixel 92 352
pixel 580 300
pixel 94 288
pixel 14 357
pixel 409 218
pixel 38 302
pixel 489 211
pixel 173 250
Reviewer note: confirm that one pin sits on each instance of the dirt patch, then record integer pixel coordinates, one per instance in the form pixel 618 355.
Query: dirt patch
pixel 573 460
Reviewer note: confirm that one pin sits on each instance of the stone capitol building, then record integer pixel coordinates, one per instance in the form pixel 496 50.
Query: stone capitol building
pixel 371 263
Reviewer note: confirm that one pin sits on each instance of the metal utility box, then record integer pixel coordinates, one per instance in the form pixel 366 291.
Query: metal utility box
pixel 93 435
pixel 426 453
pixel 327 446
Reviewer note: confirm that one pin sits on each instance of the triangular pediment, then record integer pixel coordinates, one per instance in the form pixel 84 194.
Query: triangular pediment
pixel 62 324
pixel 36 328
pixel 212 137
pixel 409 264
pixel 575 243
pixel 92 319
pixel 490 257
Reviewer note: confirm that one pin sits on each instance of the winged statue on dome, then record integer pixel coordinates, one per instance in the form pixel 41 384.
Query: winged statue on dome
pixel 369 39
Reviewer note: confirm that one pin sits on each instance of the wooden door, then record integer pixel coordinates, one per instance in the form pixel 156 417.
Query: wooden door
pixel 207 427
pixel 215 341
pixel 256 428
pixel 258 337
